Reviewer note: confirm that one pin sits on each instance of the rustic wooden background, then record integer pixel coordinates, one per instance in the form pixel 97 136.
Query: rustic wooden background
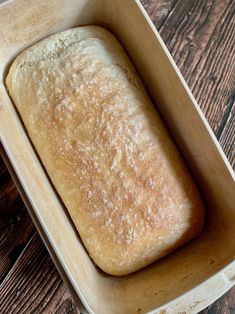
pixel 201 37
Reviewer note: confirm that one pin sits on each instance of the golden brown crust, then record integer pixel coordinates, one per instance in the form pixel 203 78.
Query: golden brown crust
pixel 105 149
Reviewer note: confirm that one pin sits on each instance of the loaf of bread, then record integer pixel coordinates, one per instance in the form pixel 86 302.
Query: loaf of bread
pixel 105 149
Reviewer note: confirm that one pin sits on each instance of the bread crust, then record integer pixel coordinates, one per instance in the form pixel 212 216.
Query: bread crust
pixel 105 149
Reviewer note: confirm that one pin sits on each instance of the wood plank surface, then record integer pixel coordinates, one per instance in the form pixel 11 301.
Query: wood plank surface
pixel 227 136
pixel 33 285
pixel 201 37
pixel 15 224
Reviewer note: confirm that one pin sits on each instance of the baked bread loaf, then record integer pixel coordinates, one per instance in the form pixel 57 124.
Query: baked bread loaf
pixel 105 149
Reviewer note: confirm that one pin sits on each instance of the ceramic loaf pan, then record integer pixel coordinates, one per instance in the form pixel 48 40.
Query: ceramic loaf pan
pixel 195 275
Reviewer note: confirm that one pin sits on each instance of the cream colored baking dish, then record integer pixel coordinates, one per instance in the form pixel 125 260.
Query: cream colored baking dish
pixel 187 280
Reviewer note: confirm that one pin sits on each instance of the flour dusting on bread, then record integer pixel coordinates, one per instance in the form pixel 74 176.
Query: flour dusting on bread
pixel 105 148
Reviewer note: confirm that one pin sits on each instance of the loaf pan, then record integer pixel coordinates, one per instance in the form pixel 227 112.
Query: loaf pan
pixel 195 275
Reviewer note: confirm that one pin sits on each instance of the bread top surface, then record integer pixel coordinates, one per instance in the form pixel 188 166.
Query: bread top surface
pixel 105 148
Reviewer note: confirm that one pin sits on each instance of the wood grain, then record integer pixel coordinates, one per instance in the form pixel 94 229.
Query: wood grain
pixel 159 10
pixel 15 224
pixel 33 285
pixel 227 137
pixel 224 305
pixel 201 37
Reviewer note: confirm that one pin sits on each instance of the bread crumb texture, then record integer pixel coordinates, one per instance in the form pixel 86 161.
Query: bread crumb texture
pixel 105 148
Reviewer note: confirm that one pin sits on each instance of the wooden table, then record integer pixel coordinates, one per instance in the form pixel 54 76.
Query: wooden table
pixel 201 37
